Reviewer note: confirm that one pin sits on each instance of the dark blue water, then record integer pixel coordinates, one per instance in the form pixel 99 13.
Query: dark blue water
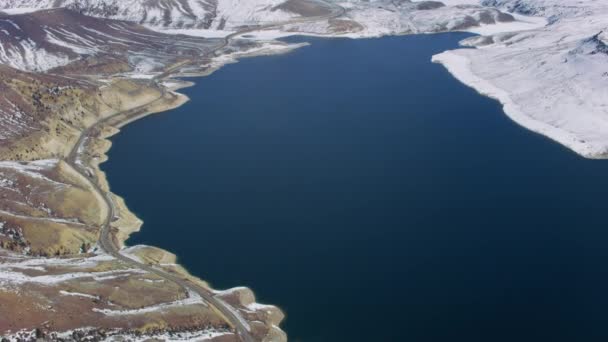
pixel 374 198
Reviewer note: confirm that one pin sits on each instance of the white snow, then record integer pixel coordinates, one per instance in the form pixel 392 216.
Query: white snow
pixel 121 336
pixel 28 56
pixel 52 37
pixel 184 336
pixel 34 169
pixel 193 299
pixel 205 33
pixel 70 222
pixel 460 67
pixel 261 307
pixel 185 13
pixel 22 10
pixel 12 265
pixel 77 294
pixel 10 277
pixel 552 80
pixel 268 47
pixel 455 2
pixel 521 23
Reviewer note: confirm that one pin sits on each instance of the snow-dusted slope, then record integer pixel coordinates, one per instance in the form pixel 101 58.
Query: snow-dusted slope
pixel 553 80
pixel 369 18
pixel 208 14
pixel 49 39
pixel 551 9
pixel 387 17
pixel 383 17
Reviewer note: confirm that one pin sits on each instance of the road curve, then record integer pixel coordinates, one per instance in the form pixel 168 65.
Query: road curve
pixel 106 240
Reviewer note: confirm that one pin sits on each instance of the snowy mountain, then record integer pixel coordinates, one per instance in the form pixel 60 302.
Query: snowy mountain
pixel 207 14
pixel 551 9
pixel 48 39
pixel 384 17
pixel 379 16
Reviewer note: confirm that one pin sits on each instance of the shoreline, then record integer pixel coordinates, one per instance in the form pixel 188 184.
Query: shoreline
pixel 117 121
pixel 237 313
pixel 459 67
pixel 111 125
pixel 129 223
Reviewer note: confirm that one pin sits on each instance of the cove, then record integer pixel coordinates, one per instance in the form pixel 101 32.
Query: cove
pixel 373 197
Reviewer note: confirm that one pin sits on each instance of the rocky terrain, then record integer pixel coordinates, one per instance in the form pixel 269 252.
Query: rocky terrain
pixel 73 72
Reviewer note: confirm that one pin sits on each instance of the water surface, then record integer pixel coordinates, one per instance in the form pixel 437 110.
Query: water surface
pixel 373 197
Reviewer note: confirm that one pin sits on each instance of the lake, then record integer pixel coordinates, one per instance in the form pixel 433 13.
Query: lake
pixel 373 197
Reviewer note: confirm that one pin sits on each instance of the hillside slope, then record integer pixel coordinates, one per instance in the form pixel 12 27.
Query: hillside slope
pixel 208 14
pixel 48 39
pixel 553 80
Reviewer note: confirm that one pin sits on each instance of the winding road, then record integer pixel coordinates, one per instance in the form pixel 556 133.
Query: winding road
pixel 106 240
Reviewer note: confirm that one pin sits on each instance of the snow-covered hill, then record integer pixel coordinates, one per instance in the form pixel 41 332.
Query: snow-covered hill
pixel 553 80
pixel 377 17
pixel 49 39
pixel 386 17
pixel 551 9
pixel 207 14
